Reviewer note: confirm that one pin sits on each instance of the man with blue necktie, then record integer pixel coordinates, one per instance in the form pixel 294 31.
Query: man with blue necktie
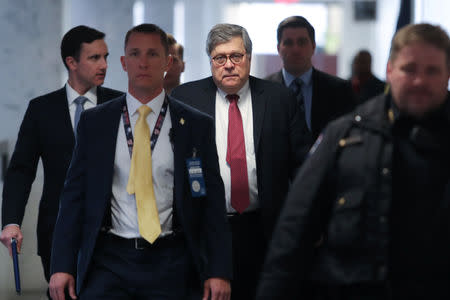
pixel 47 133
pixel 320 96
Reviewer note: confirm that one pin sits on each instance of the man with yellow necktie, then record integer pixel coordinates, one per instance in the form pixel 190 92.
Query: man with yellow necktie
pixel 142 213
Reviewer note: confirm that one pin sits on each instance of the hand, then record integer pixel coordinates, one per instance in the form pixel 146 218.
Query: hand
pixel 9 232
pixel 58 283
pixel 217 289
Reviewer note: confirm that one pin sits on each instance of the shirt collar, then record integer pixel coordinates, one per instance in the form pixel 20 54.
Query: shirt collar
pixel 155 104
pixel 242 93
pixel 91 95
pixel 305 77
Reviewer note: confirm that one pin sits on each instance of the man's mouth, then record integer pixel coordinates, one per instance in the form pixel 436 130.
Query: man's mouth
pixel 419 92
pixel 230 75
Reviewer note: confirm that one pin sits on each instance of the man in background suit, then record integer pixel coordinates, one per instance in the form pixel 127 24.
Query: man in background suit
pixel 172 77
pixel 260 142
pixel 142 211
pixel 365 84
pixel 47 133
pixel 321 96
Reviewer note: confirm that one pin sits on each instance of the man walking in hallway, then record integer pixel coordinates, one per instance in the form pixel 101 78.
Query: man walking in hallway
pixel 47 133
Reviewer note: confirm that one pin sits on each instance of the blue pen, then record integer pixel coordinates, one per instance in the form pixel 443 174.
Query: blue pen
pixel 16 264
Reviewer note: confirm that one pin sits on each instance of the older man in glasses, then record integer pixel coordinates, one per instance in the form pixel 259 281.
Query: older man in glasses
pixel 261 141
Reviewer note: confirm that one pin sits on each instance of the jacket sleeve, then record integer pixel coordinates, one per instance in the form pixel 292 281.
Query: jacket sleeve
pixel 288 262
pixel 67 234
pixel 22 169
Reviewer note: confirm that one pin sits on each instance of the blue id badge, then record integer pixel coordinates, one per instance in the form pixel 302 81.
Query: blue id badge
pixel 196 180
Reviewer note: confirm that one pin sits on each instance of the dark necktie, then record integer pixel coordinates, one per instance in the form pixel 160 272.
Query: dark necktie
pixel 236 157
pixel 296 87
pixel 80 107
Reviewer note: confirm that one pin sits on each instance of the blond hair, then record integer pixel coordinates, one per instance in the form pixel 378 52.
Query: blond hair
pixel 423 33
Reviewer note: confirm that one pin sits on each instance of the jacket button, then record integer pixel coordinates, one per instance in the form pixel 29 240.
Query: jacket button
pixel 385 171
pixel 357 118
pixel 383 219
pixel 382 272
pixel 341 201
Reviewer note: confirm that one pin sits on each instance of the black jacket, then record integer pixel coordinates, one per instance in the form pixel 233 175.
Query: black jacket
pixel 89 183
pixel 334 228
pixel 332 97
pixel 281 139
pixel 46 133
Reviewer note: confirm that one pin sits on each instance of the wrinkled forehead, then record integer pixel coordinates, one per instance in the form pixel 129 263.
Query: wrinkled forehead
pixel 235 44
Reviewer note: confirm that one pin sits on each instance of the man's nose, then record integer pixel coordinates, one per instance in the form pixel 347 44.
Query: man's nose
pixel 229 64
pixel 104 64
pixel 143 62
pixel 419 79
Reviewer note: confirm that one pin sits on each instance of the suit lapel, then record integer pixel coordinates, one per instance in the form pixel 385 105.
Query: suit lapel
pixel 316 106
pixel 207 102
pixel 180 137
pixel 108 127
pixel 281 78
pixel 259 107
pixel 62 108
pixel 100 95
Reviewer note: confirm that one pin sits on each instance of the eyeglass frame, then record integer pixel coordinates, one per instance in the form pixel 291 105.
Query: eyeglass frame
pixel 228 57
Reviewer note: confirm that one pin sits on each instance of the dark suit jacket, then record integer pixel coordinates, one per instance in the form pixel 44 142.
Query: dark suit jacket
pixel 331 98
pixel 281 139
pixel 371 88
pixel 86 197
pixel 46 132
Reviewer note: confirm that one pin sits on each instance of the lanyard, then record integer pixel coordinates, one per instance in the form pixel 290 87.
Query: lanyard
pixel 156 130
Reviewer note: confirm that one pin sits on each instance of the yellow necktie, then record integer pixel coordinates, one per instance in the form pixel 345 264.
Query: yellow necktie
pixel 140 181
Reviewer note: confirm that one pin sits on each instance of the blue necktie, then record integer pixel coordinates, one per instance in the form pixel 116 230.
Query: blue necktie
pixel 80 107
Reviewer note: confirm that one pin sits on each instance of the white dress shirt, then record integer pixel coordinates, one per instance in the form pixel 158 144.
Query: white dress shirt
pixel 245 107
pixel 91 95
pixel 123 205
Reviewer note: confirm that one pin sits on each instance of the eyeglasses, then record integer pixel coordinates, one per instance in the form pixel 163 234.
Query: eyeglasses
pixel 235 58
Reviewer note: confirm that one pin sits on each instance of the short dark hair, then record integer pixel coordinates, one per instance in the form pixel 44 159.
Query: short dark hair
pixel 363 55
pixel 171 39
pixel 72 40
pixel 150 29
pixel 296 22
pixel 178 47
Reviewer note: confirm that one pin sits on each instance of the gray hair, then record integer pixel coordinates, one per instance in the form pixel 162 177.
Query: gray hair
pixel 222 33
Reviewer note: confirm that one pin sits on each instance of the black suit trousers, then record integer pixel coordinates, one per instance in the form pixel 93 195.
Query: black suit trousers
pixel 120 271
pixel 249 248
